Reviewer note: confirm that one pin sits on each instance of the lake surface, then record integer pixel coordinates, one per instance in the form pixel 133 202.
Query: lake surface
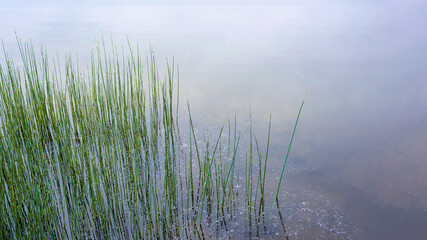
pixel 358 166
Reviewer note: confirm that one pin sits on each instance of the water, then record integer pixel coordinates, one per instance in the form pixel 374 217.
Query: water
pixel 357 167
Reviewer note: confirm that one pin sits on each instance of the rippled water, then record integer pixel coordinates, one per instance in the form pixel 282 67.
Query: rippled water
pixel 358 166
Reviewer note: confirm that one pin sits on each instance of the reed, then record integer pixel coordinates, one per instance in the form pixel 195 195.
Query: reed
pixel 289 149
pixel 98 154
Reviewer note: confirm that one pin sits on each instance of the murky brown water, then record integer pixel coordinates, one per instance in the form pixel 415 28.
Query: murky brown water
pixel 358 167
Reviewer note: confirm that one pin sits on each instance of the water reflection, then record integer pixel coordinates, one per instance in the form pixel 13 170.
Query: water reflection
pixel 362 136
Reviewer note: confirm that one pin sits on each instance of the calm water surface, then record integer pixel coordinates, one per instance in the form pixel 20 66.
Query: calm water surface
pixel 358 167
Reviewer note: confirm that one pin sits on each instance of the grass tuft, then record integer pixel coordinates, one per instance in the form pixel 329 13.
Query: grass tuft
pixel 98 154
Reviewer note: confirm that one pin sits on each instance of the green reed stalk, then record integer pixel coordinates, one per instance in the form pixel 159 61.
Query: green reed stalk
pixel 208 175
pixel 289 147
pixel 262 201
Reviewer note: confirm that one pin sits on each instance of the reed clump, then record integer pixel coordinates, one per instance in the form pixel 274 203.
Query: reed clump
pixel 97 154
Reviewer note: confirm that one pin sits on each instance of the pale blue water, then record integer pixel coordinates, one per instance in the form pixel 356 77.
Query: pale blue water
pixel 358 166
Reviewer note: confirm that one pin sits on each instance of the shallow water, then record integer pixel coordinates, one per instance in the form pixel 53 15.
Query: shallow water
pixel 357 168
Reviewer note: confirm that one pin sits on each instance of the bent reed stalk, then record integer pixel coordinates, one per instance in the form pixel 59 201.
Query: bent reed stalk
pixel 98 154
